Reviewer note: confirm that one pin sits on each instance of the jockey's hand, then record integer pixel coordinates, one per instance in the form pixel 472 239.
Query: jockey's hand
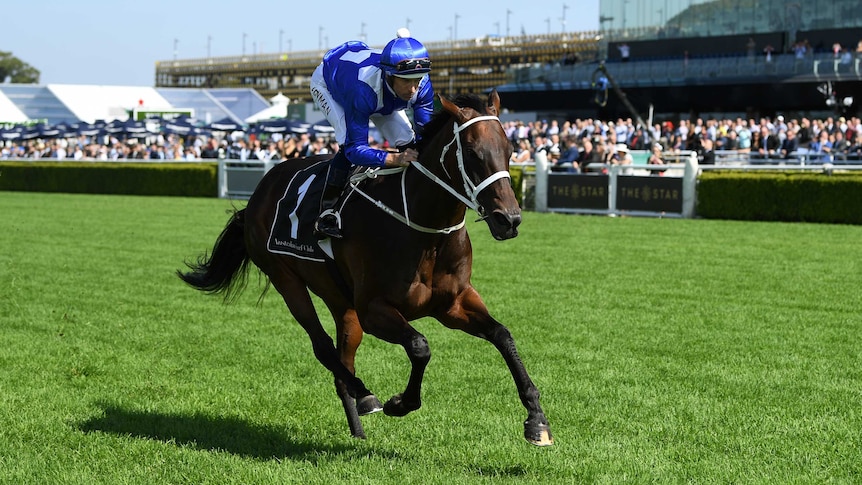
pixel 402 159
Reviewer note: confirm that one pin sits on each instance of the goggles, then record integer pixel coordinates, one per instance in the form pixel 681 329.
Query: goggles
pixel 410 65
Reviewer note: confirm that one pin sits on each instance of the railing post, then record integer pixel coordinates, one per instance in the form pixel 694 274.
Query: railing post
pixel 689 186
pixel 222 179
pixel 541 160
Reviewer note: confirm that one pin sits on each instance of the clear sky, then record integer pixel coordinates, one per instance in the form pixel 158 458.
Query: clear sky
pixel 117 42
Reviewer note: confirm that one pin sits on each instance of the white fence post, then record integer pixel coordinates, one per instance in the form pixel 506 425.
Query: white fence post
pixel 222 179
pixel 689 186
pixel 541 160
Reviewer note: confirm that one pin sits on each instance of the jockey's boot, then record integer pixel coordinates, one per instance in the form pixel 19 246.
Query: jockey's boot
pixel 328 223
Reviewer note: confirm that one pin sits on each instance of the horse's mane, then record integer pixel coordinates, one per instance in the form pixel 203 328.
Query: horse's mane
pixel 441 117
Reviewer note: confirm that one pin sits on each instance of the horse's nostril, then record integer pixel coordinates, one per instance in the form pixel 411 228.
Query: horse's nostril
pixel 506 219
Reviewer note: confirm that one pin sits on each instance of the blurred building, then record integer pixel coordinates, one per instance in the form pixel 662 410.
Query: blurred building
pixel 696 57
pixel 687 58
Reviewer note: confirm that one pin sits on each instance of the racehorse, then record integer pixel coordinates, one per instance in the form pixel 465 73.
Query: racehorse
pixel 392 266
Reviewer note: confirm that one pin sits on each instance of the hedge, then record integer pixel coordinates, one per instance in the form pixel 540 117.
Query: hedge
pixel 517 173
pixel 782 196
pixel 130 178
pixel 756 196
pixel 181 179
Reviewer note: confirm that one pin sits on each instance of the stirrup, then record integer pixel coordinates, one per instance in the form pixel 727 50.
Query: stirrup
pixel 322 226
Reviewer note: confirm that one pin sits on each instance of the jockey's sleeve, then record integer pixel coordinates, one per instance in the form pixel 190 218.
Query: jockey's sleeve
pixel 423 108
pixel 356 117
pixel 365 155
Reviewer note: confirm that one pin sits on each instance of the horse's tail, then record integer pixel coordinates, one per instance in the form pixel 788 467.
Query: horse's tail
pixel 225 270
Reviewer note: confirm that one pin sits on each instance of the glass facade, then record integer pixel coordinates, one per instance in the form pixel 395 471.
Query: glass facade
pixel 241 102
pixel 207 108
pixel 649 19
pixel 38 103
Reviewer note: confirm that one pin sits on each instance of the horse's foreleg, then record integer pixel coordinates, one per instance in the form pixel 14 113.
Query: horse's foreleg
pixel 385 323
pixel 419 353
pixel 472 316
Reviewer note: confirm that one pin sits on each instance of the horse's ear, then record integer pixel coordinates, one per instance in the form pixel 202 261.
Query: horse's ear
pixel 449 106
pixel 494 102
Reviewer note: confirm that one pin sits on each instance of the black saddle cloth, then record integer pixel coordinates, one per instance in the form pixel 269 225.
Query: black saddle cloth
pixel 293 228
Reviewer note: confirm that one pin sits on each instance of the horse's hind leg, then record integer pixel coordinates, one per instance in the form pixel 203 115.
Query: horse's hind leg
pixel 298 301
pixel 348 403
pixel 349 336
pixel 472 317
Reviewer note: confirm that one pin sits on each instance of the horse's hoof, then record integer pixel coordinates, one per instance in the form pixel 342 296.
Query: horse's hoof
pixel 396 406
pixel 368 405
pixel 538 434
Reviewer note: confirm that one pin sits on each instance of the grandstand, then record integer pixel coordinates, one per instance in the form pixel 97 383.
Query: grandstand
pixel 700 57
pixel 463 66
pixel 687 59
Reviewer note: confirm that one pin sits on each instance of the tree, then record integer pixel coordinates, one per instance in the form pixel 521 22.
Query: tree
pixel 16 70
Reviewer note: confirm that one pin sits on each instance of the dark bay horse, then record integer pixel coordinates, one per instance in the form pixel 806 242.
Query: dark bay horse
pixel 393 266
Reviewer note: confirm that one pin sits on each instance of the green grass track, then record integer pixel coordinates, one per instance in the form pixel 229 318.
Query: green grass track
pixel 666 351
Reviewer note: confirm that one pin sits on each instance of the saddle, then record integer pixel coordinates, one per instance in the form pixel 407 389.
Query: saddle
pixel 292 230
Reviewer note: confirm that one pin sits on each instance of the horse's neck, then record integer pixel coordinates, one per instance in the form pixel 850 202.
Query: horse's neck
pixel 428 201
pixel 423 192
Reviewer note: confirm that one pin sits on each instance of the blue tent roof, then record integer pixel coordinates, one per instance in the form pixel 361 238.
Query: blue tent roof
pixel 280 125
pixel 225 124
pixel 13 133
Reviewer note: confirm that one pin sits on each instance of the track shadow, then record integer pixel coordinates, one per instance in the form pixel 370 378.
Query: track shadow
pixel 213 433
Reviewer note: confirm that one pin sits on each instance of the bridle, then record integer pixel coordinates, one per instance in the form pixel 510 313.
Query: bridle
pixel 470 189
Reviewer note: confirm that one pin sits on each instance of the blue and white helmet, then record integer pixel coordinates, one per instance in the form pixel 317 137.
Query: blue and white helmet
pixel 405 56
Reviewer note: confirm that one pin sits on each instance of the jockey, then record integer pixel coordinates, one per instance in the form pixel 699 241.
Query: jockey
pixel 356 84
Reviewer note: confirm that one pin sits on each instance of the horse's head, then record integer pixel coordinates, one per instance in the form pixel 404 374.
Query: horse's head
pixel 480 152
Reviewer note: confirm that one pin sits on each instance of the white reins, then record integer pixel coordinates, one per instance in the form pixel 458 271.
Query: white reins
pixel 470 189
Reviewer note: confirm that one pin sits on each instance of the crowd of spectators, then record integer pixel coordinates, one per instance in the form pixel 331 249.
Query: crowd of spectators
pixel 573 145
pixel 570 146
pixel 237 145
